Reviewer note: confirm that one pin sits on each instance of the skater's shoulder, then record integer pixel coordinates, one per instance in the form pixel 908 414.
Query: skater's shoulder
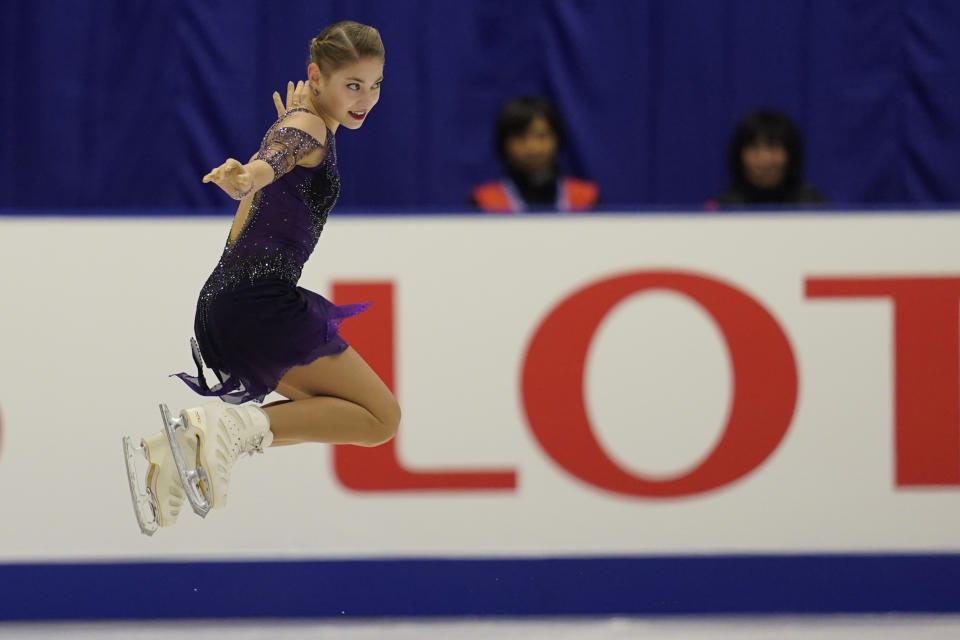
pixel 306 122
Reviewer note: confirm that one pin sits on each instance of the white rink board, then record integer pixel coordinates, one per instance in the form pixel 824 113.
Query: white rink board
pixel 886 627
pixel 98 312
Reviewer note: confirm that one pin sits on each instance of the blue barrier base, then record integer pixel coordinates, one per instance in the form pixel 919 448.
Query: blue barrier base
pixel 590 586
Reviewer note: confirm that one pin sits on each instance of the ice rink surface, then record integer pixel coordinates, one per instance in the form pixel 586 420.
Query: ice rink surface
pixel 880 627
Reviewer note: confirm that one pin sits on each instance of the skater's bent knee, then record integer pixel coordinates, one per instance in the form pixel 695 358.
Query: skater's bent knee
pixel 388 420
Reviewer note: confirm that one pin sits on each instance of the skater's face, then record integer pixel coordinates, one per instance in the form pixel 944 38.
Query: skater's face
pixel 534 149
pixel 764 163
pixel 346 96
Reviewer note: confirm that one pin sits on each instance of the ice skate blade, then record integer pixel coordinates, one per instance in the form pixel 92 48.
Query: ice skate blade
pixel 142 505
pixel 190 478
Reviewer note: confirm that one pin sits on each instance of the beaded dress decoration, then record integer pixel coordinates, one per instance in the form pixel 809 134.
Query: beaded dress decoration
pixel 253 322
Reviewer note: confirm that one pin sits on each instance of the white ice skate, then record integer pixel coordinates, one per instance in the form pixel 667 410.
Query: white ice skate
pixel 157 500
pixel 215 434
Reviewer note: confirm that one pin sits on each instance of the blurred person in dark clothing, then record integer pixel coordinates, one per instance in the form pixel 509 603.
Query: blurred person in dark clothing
pixel 765 161
pixel 529 136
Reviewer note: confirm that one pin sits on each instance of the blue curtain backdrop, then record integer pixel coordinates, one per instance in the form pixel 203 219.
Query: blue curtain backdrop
pixel 120 103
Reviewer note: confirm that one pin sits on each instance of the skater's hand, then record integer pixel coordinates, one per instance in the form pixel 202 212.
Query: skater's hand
pixel 298 96
pixel 234 178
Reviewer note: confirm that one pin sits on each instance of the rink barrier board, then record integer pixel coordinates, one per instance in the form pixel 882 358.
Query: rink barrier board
pixel 514 587
pixel 820 580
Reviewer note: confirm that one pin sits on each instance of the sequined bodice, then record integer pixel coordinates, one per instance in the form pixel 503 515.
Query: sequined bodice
pixel 282 228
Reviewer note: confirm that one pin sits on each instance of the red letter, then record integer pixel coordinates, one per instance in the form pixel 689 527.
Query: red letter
pixel 927 369
pixel 377 468
pixel 764 389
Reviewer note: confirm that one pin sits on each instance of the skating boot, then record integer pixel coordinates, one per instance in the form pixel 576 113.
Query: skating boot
pixel 218 434
pixel 156 491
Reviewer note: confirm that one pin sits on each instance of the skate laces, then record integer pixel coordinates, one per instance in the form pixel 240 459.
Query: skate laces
pixel 243 438
pixel 253 444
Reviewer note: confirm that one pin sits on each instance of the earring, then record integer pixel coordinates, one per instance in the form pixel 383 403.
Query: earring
pixel 315 92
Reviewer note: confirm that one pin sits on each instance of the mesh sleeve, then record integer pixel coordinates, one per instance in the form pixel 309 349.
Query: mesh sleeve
pixel 283 147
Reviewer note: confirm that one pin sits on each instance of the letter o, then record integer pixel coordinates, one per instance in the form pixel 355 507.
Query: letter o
pixel 764 384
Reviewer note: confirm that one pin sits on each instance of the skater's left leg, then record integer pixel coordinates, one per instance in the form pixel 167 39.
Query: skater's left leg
pixel 336 399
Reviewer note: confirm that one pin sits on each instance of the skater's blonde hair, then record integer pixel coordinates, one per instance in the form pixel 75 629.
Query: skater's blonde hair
pixel 344 42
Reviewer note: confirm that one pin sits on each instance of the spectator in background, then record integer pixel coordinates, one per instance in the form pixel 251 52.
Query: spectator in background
pixel 529 136
pixel 765 160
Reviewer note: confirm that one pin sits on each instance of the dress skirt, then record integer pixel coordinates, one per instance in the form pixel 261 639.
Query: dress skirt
pixel 251 336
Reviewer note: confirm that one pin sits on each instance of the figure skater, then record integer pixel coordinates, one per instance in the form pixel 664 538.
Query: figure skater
pixel 255 328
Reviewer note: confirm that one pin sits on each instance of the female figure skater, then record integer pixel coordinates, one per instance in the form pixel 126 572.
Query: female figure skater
pixel 257 330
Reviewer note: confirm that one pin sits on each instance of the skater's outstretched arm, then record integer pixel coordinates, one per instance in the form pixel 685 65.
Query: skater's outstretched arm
pixel 297 138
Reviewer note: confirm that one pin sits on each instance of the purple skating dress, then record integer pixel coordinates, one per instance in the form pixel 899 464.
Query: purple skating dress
pixel 253 322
